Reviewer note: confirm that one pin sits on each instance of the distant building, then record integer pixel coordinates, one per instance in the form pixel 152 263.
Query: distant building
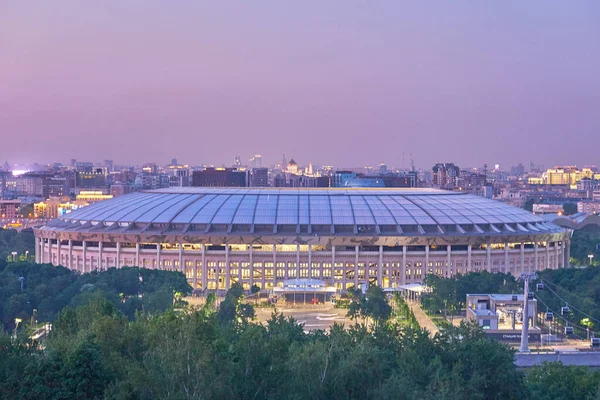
pixel 93 196
pixel 300 181
pixel 220 177
pixel 54 207
pixel 259 177
pixel 590 207
pixel 94 179
pixel 445 175
pixel 517 170
pixel 548 209
pixel 119 189
pixel 4 175
pixel 109 165
pixel 256 161
pixel 341 177
pixel 9 209
pixel 151 181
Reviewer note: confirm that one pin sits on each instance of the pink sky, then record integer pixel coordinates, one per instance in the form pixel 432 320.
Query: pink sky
pixel 345 82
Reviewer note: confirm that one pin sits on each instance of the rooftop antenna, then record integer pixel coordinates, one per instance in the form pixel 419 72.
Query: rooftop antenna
pixel 412 163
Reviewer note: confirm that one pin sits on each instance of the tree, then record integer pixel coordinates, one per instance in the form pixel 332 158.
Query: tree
pixel 255 290
pixel 371 305
pixel 569 208
pixel 232 309
pixel 529 205
pixel 557 381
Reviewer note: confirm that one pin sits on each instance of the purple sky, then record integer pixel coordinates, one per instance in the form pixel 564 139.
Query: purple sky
pixel 332 82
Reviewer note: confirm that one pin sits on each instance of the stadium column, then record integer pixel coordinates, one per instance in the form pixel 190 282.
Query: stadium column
pixel 204 268
pixel 556 254
pixel 309 261
pixel 522 258
pixel 469 249
pixel 297 261
pixel 181 266
pixel 70 262
pixel 83 267
pixel 425 270
pixel 227 271
pixel 356 267
pixel 99 264
pixel 158 249
pixel 274 266
pixel 547 255
pixel 118 258
pixel 489 257
pixel 506 264
pixel 448 262
pixel 380 268
pixel 251 266
pixel 58 252
pixel 535 252
pixel 403 267
pixel 195 275
pixel 333 265
pixel 137 254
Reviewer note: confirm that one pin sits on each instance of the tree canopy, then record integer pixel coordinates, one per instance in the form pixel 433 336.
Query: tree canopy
pixel 48 289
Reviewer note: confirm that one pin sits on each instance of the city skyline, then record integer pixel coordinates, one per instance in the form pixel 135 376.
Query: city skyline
pixel 343 85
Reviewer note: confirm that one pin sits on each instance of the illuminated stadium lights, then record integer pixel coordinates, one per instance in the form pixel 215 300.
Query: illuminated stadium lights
pixel 344 237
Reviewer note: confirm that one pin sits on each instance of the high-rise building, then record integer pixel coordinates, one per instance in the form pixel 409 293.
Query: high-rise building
pixel 95 179
pixel 256 161
pixel 259 177
pixel 220 177
pixel 445 175
pixel 109 165
pixel 237 163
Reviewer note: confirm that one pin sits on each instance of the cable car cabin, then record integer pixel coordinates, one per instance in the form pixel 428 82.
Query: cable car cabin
pixel 540 286
pixel 549 316
pixel 530 296
pixel 565 310
pixel 568 330
pixel 595 342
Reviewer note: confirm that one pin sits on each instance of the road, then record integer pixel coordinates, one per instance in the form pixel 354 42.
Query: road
pixel 313 317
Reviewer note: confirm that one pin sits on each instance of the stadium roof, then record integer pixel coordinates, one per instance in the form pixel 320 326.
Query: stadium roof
pixel 353 211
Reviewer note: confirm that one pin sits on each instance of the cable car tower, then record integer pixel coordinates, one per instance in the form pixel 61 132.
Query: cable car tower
pixel 525 330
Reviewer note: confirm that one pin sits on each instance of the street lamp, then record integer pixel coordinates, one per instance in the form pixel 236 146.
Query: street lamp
pixel 17 322
pixel 591 257
pixel 26 255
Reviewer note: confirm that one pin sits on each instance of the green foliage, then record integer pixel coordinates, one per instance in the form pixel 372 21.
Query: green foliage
pixel 449 295
pixel 556 381
pixel 48 289
pixel 570 208
pixel 372 305
pixel 232 310
pixel 580 288
pixel 403 313
pixel 96 352
pixel 529 205
pixel 20 242
pixel 583 244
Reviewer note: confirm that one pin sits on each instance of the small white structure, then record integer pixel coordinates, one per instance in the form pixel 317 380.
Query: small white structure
pixel 301 290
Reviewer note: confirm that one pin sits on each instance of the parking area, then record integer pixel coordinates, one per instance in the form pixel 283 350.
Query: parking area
pixel 313 317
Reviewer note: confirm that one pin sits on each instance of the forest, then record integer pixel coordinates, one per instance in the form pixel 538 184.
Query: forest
pixel 128 334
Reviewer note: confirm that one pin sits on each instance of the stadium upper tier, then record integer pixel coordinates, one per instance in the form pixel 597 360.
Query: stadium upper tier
pixel 326 212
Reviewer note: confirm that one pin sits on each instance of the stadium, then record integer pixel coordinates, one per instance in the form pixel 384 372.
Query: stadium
pixel 344 237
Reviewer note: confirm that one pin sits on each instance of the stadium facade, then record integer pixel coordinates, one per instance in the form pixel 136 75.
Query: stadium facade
pixel 345 237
